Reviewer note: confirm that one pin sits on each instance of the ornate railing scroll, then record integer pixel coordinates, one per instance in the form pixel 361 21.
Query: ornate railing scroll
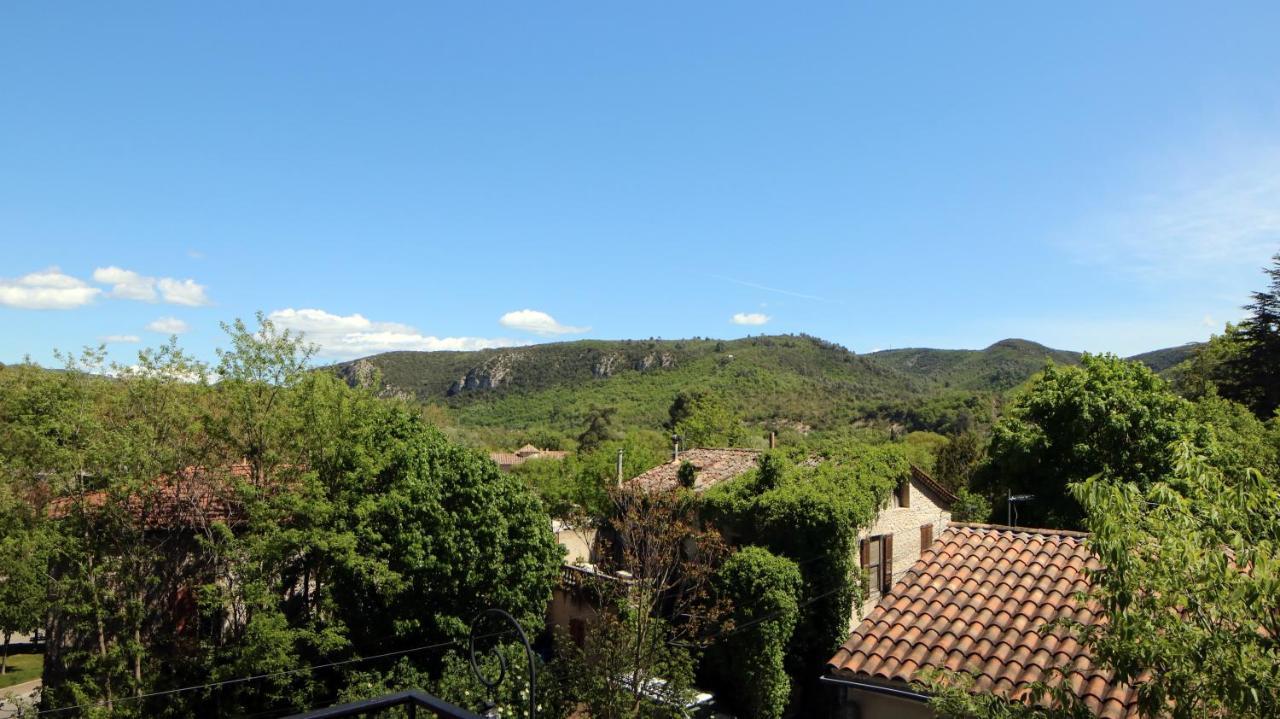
pixel 492 686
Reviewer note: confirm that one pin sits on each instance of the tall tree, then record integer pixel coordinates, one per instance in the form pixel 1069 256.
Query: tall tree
pixel 633 654
pixel 599 429
pixel 958 459
pixel 1253 375
pixel 703 420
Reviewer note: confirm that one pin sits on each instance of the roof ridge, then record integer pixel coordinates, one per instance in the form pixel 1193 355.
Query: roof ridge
pixel 1020 530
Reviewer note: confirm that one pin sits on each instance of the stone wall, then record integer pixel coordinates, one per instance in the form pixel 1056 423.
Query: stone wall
pixel 904 524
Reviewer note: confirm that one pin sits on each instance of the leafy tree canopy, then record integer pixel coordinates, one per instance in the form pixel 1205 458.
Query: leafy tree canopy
pixel 1106 416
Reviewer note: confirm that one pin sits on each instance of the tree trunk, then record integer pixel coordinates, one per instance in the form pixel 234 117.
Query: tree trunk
pixel 4 660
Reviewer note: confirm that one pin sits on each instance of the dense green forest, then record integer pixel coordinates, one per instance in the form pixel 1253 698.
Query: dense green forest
pixel 787 384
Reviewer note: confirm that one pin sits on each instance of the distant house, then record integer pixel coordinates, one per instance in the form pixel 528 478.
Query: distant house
pixel 976 601
pixel 918 510
pixel 711 466
pixel 507 460
pixel 172 516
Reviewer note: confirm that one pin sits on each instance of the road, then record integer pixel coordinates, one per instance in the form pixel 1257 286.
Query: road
pixel 25 689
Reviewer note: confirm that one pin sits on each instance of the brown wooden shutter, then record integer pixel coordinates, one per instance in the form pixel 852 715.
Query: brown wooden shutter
pixel 886 562
pixel 864 553
pixel 926 537
pixel 904 494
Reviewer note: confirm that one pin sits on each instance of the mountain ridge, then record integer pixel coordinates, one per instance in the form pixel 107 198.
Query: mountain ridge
pixel 783 380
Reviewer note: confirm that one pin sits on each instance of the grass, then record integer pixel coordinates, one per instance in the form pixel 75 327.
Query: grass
pixel 22 668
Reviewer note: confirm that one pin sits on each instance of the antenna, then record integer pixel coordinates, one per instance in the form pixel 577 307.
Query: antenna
pixel 1010 512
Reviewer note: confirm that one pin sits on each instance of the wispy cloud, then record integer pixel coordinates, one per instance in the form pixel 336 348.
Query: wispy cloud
pixel 168 326
pixel 130 285
pixel 539 323
pixel 349 336
pixel 749 318
pixel 121 339
pixel 48 289
pixel 1224 214
pixel 767 288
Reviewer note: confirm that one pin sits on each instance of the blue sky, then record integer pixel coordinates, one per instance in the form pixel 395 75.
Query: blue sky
pixel 408 175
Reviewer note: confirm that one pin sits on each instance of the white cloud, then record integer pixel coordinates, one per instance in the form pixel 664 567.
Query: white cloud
pixel 539 323
pixel 47 289
pixel 168 326
pixel 130 285
pixel 126 284
pixel 749 318
pixel 1224 213
pixel 182 292
pixel 121 339
pixel 348 336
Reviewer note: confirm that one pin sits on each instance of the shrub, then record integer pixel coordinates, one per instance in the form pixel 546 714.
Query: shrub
pixel 763 589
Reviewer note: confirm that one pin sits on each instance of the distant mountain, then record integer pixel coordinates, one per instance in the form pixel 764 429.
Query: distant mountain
pixel 1161 360
pixel 787 380
pixel 797 378
pixel 1002 366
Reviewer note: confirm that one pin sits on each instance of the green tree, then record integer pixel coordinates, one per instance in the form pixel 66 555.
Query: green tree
pixel 1107 416
pixel 442 533
pixel 599 429
pixel 1253 374
pixel 637 657
pixel 1232 437
pixel 958 459
pixel 1207 369
pixel 763 590
pixel 703 420
pixel 23 572
pixel 970 507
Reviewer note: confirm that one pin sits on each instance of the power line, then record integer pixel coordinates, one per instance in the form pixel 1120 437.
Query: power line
pixel 773 615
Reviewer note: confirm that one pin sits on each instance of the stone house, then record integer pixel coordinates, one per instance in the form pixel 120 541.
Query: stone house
pixel 918 510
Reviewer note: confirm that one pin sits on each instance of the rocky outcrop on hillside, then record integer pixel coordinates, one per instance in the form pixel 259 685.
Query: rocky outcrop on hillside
pixel 494 373
pixel 660 360
pixel 361 373
pixel 604 367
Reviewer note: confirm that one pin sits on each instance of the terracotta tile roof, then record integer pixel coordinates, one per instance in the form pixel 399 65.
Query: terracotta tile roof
pixel 713 467
pixel 506 460
pixel 194 497
pixel 946 495
pixel 975 601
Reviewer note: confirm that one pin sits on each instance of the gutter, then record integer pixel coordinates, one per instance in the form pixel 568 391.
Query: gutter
pixel 876 688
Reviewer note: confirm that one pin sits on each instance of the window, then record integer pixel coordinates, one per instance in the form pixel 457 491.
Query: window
pixel 926 537
pixel 902 495
pixel 877 561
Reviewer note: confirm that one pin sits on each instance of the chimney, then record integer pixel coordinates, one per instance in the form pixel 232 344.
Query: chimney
pixel 773 440
pixel 675 448
pixel 619 467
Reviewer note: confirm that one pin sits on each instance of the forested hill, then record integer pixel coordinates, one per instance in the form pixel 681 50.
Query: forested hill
pixel 785 381
pixel 1161 360
pixel 1004 365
